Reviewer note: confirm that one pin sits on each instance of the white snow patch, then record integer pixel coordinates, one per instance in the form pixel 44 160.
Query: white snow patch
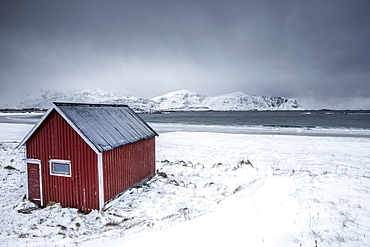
pixel 13 132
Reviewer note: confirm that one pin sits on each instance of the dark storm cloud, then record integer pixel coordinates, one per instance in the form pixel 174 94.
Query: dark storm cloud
pixel 312 50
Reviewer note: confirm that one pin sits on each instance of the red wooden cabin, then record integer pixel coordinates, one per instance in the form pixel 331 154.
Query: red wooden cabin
pixel 84 155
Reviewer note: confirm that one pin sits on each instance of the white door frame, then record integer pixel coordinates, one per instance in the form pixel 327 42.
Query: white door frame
pixel 35 162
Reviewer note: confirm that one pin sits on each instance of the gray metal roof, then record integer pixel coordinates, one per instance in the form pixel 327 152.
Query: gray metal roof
pixel 107 126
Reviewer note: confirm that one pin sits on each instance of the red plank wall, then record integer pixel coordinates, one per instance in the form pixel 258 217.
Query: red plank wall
pixel 126 166
pixel 55 139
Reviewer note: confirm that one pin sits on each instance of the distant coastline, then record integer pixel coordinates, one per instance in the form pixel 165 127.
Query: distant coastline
pixel 182 100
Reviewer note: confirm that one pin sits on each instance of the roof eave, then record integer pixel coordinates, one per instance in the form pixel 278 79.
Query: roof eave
pixel 125 144
pixel 145 123
pixel 61 113
pixel 25 139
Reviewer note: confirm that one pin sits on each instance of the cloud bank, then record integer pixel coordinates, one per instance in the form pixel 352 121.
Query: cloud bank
pixel 315 51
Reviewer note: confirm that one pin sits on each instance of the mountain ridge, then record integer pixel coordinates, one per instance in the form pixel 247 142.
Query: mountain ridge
pixel 182 100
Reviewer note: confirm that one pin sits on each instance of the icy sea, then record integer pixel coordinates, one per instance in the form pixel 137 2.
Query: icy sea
pixel 316 123
pixel 307 123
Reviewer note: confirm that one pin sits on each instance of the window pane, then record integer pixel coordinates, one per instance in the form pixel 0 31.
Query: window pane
pixel 61 168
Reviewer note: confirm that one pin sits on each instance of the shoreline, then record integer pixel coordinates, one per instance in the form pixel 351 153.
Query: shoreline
pixel 15 131
pixel 260 130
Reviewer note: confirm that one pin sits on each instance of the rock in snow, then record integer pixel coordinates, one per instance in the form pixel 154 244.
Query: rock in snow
pixel 183 100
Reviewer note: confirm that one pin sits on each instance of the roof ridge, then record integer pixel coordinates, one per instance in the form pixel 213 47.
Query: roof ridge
pixel 87 104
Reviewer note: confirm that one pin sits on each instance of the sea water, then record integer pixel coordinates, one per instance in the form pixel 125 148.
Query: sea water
pixel 323 123
pixel 331 123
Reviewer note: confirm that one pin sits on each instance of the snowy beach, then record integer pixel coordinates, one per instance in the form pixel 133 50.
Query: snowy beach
pixel 211 189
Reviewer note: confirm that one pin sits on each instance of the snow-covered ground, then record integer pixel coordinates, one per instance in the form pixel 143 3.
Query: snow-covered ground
pixel 299 191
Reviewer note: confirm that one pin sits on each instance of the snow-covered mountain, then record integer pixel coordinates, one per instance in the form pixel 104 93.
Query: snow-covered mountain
pixel 239 101
pixel 44 99
pixel 183 100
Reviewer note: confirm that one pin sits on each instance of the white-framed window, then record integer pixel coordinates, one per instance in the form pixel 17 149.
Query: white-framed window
pixel 60 168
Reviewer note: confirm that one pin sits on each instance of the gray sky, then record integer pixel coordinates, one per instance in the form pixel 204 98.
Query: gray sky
pixel 316 51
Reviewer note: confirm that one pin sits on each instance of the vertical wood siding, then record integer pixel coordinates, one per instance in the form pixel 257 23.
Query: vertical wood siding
pixel 55 139
pixel 127 165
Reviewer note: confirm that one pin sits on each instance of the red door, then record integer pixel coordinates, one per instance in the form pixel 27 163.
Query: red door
pixel 34 181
